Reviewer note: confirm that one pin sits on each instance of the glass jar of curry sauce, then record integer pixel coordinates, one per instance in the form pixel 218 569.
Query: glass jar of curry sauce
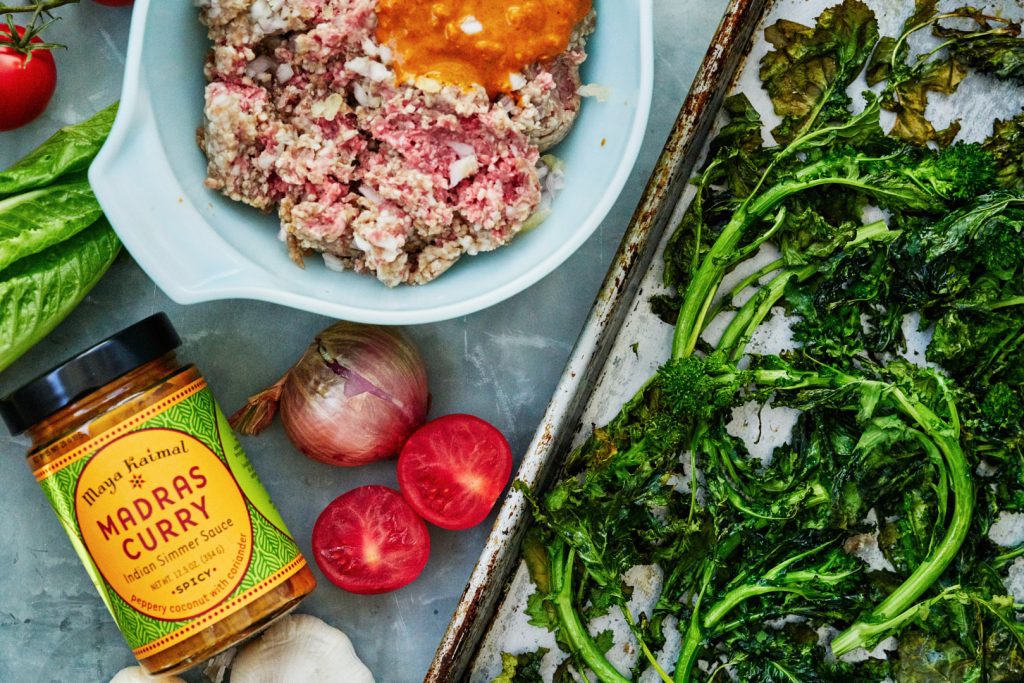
pixel 158 498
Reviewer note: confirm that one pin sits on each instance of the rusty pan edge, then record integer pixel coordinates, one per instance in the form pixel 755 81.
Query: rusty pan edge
pixel 499 557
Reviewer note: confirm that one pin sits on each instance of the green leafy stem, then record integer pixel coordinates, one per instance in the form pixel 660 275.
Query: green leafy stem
pixel 36 6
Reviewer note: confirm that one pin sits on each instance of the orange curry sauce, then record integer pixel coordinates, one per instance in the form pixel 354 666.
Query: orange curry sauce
pixel 430 37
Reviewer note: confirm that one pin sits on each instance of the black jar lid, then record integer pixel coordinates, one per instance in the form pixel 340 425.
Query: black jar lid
pixel 90 370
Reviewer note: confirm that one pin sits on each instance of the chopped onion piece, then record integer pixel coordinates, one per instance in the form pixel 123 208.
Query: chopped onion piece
pixel 517 80
pixel 428 85
pixel 599 92
pixel 359 65
pixel 471 26
pixel 462 169
pixel 462 149
pixel 333 263
pixel 370 48
pixel 379 72
pixel 270 19
pixel 259 66
pixel 555 182
pixel 328 108
pixel 285 73
pixel 364 98
pixel 370 193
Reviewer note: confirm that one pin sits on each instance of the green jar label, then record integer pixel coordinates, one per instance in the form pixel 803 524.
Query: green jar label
pixel 170 520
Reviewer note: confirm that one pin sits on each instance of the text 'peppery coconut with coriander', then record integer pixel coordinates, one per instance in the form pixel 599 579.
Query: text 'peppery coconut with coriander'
pixel 158 498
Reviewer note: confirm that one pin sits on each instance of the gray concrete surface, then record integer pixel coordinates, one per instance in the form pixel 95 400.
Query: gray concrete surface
pixel 500 364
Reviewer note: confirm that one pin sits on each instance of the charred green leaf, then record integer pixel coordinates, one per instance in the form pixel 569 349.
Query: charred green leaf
pixel 807 74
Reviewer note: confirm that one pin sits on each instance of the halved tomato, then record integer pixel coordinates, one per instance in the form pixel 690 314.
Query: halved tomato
pixel 453 470
pixel 370 541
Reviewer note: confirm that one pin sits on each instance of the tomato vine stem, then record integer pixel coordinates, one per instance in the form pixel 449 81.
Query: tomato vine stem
pixel 44 6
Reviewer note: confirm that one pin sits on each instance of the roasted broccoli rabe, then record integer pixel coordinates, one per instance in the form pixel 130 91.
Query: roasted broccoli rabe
pixel 763 565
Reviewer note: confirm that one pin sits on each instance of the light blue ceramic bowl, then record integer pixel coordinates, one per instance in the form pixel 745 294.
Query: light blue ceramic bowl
pixel 199 246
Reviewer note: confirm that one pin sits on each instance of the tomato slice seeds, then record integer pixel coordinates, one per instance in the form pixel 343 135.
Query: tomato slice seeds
pixel 453 470
pixel 370 540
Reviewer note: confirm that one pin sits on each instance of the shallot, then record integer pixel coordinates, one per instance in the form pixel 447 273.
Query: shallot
pixel 354 397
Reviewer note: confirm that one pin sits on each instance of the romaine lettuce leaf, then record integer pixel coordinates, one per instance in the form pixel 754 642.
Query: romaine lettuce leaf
pixel 38 292
pixel 35 220
pixel 70 150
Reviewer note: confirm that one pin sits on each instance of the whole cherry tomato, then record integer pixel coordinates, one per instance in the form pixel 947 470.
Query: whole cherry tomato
pixel 28 78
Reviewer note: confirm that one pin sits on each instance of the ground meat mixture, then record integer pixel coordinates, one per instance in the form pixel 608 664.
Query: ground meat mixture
pixel 304 115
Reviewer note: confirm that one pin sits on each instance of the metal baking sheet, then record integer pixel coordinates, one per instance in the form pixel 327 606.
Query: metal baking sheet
pixel 561 422
pixel 623 343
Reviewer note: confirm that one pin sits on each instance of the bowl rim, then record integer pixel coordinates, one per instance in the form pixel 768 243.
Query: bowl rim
pixel 215 288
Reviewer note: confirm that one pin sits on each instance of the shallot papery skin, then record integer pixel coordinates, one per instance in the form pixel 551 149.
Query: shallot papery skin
pixel 355 396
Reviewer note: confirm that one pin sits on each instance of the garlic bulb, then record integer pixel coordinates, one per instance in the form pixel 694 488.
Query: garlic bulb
pixel 297 649
pixel 136 674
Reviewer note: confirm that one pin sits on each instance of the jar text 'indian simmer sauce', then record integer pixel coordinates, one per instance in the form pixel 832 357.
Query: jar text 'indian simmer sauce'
pixel 158 498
